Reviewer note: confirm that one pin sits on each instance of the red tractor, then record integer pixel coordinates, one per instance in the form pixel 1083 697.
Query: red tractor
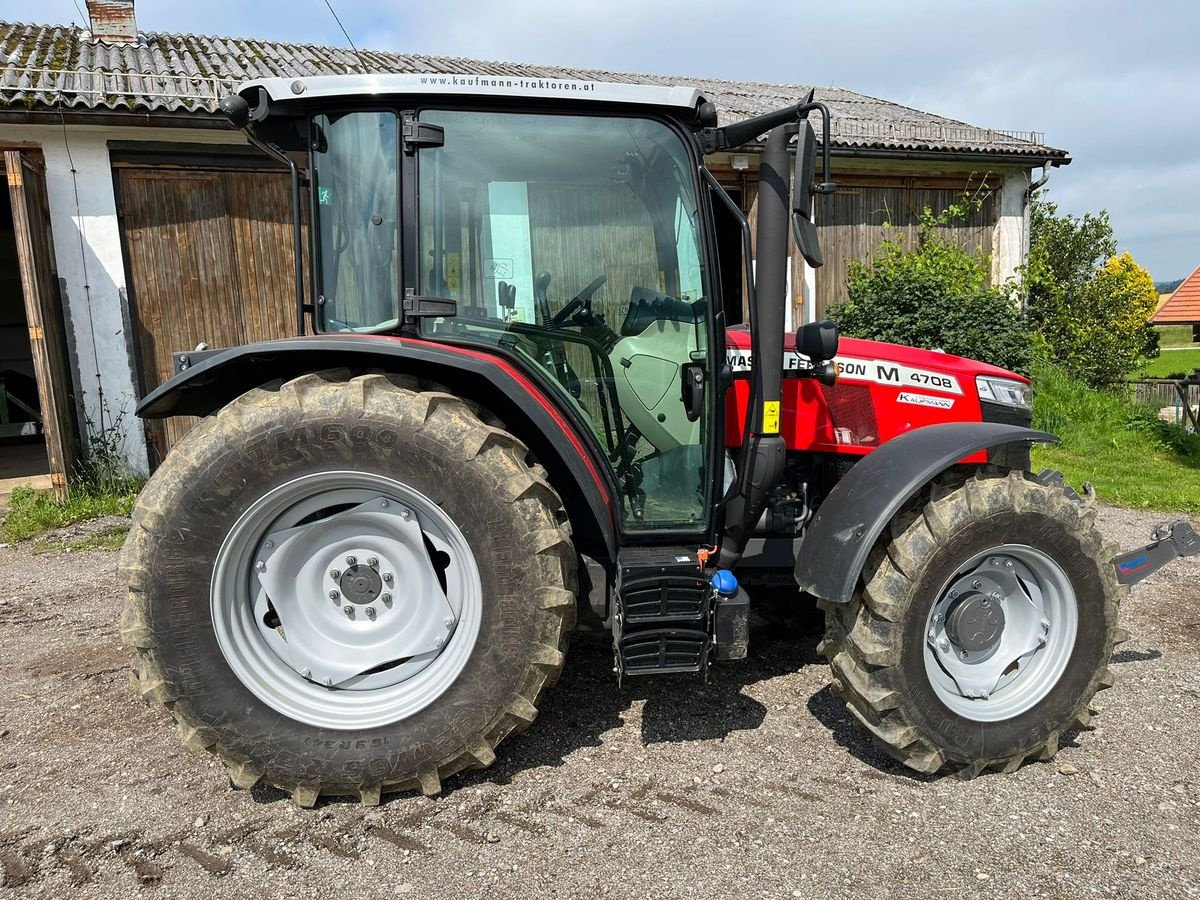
pixel 522 403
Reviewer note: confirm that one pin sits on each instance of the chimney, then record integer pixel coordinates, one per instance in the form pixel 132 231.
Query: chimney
pixel 112 21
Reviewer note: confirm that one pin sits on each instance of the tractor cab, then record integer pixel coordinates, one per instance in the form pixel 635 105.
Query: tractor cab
pixel 561 225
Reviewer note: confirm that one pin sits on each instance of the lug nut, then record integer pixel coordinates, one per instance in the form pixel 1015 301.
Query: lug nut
pixel 996 595
pixel 306 673
pixel 449 623
pixel 373 561
pixel 334 595
pixel 348 610
pixel 932 633
pixel 1008 564
pixel 383 503
pixel 977 584
pixel 938 617
pixel 954 595
pixel 385 597
pixel 351 560
pixel 944 646
pixel 328 681
pixel 437 643
pixel 405 515
pixel 260 566
pixel 963 654
pixel 370 612
pixel 270 545
pixel 335 574
pixel 387 577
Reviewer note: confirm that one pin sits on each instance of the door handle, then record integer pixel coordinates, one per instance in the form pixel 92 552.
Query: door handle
pixel 692 390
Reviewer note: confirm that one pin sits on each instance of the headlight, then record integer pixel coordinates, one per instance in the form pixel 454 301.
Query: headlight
pixel 1004 390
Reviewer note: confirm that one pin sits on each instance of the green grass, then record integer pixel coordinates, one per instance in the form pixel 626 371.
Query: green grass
pixel 1130 457
pixel 1174 335
pixel 33 512
pixel 1171 362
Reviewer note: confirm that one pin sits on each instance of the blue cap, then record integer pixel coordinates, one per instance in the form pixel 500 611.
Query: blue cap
pixel 724 582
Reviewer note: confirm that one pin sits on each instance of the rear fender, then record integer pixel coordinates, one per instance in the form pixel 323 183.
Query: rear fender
pixel 534 416
pixel 852 517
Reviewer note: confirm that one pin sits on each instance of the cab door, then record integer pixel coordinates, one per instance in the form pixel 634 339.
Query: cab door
pixel 574 243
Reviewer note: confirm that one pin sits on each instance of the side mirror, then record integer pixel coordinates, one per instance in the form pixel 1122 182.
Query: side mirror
pixel 818 340
pixel 802 194
pixel 236 110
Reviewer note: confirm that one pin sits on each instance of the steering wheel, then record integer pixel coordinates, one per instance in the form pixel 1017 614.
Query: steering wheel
pixel 582 300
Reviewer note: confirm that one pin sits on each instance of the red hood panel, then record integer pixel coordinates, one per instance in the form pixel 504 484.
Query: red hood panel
pixel 883 390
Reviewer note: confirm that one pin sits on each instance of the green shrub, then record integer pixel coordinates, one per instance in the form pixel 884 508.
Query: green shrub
pixel 938 296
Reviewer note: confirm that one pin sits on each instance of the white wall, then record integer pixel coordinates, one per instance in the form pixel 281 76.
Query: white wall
pixel 87 249
pixel 1010 237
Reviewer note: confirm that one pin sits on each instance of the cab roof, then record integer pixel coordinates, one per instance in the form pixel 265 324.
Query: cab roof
pixel 472 85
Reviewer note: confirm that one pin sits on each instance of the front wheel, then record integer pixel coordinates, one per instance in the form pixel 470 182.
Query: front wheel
pixel 348 586
pixel 982 627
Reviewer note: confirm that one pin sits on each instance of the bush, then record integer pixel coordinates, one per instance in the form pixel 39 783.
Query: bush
pixel 1090 308
pixel 938 296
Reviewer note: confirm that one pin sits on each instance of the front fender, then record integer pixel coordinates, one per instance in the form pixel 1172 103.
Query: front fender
pixel 530 412
pixel 835 546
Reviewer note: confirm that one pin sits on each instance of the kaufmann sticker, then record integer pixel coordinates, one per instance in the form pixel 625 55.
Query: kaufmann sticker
pixel 875 371
pixel 926 400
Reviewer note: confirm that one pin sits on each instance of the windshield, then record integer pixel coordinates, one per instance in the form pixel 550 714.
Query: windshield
pixel 573 242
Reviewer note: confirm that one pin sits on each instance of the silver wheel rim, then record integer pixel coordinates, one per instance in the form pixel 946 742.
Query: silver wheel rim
pixel 308 618
pixel 1040 620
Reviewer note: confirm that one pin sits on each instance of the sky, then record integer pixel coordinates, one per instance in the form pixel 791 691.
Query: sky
pixel 1115 84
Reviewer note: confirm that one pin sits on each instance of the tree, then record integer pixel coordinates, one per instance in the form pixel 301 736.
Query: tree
pixel 1089 307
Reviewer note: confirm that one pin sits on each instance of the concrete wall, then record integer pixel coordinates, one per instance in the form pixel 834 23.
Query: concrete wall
pixel 87 247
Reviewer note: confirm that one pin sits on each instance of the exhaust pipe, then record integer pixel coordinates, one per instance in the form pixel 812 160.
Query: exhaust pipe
pixel 763 449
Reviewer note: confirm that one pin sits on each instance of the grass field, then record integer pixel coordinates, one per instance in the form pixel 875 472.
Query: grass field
pixel 1130 457
pixel 1170 363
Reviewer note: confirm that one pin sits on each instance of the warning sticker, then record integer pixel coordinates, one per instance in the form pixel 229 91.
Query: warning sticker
pixel 771 417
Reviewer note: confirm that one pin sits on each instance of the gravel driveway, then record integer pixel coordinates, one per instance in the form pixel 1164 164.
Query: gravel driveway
pixel 755 785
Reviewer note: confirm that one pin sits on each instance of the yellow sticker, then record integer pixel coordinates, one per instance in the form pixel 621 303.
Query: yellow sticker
pixel 453 280
pixel 771 417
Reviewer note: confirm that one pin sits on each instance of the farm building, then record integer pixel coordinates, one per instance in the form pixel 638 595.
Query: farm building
pixel 1183 306
pixel 137 222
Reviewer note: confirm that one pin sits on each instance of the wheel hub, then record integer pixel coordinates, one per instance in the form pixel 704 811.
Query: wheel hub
pixel 340 624
pixel 360 584
pixel 974 622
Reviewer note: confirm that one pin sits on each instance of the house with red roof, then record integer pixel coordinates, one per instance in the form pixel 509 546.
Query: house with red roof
pixel 1183 307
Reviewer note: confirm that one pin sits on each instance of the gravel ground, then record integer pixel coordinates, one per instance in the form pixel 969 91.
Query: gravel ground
pixel 755 785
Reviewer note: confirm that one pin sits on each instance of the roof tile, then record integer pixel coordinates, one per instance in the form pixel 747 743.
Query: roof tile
pixel 1183 308
pixel 57 66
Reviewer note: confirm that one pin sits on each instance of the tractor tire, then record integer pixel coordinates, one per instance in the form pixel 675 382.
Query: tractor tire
pixel 316 680
pixel 953 664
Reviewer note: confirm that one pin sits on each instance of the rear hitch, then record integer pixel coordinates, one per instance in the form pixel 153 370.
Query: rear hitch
pixel 1170 542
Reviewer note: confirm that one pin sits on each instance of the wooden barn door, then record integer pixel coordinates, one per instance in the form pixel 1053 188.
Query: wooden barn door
pixel 26 175
pixel 209 259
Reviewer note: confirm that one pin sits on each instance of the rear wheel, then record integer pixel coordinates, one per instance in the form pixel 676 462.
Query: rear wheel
pixel 982 627
pixel 348 586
